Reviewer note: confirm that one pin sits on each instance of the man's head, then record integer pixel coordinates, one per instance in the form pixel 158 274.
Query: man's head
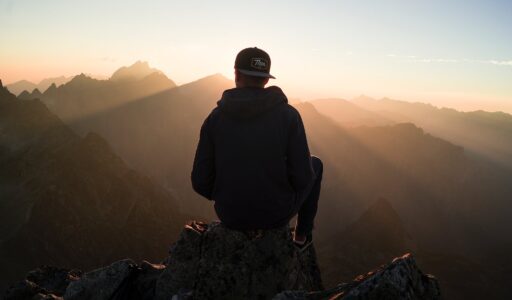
pixel 252 68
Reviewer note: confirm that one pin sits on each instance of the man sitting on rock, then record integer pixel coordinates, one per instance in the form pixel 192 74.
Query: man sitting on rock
pixel 253 158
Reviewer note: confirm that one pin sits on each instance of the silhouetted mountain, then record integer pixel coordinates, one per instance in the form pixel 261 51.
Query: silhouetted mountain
pixel 401 163
pixel 70 201
pixel 487 134
pixel 348 114
pixel 23 85
pixel 137 71
pixel 83 96
pixel 20 86
pixel 158 134
pixel 379 234
pixel 151 124
pixel 376 237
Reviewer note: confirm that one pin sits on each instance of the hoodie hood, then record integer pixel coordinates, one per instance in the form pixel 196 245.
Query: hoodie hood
pixel 250 102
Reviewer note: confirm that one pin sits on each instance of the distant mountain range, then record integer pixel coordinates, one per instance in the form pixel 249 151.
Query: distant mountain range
pixel 67 200
pixel 24 85
pixel 149 121
pixel 485 134
pixel 445 197
pixel 349 114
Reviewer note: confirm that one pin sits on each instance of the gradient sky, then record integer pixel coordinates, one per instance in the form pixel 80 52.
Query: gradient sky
pixel 450 53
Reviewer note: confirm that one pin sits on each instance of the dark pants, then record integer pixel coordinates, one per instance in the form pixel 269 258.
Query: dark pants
pixel 308 200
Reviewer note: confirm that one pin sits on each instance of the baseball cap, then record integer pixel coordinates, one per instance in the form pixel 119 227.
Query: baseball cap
pixel 253 62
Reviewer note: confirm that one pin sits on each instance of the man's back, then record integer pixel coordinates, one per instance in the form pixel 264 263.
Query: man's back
pixel 253 158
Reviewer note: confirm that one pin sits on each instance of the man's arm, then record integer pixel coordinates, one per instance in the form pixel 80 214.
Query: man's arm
pixel 300 170
pixel 203 171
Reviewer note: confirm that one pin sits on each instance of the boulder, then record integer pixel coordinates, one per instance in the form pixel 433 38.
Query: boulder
pixel 399 280
pixel 214 262
pixel 53 279
pixel 101 284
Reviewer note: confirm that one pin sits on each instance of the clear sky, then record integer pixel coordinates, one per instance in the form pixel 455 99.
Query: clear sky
pixel 448 52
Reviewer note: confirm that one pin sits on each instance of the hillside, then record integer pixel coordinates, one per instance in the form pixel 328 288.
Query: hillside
pixel 485 134
pixel 70 201
pixel 83 97
pixel 400 163
pixel 157 134
pixel 349 114
pixel 379 234
pixel 24 85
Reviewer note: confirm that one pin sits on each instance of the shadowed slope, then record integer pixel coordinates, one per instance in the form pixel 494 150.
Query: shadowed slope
pixel 67 200
pixel 84 96
pixel 348 114
pixel 487 134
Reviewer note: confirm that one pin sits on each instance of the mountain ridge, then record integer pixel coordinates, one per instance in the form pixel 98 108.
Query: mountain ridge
pixel 65 199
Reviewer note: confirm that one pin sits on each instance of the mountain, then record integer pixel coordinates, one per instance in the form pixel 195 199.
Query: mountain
pixel 70 201
pixel 485 134
pixel 20 86
pixel 83 97
pixel 400 163
pixel 152 124
pixel 23 85
pixel 379 234
pixel 157 134
pixel 376 237
pixel 137 71
pixel 348 114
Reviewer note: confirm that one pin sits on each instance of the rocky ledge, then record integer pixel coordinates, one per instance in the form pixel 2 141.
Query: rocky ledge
pixel 210 261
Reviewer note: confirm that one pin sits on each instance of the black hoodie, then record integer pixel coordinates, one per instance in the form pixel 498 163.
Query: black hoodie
pixel 253 158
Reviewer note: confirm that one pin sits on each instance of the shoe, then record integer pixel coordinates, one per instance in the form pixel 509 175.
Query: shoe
pixel 304 245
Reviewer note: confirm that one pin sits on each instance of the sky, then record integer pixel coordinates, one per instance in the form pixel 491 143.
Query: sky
pixel 450 53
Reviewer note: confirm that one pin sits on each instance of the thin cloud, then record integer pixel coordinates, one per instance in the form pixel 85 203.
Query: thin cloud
pixel 500 62
pixel 437 60
pixel 412 58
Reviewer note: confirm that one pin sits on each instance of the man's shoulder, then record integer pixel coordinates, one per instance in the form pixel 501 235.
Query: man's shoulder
pixel 290 111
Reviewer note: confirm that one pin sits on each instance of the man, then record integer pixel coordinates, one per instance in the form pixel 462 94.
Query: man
pixel 253 158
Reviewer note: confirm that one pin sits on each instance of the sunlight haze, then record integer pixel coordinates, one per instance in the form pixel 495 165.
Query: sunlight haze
pixel 448 53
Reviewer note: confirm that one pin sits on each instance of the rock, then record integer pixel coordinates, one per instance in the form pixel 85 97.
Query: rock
pixel 399 280
pixel 52 279
pixel 182 263
pixel 23 290
pixel 41 296
pixel 101 284
pixel 142 283
pixel 43 283
pixel 214 262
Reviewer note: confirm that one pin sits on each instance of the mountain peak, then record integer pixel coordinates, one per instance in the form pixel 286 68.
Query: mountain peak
pixel 380 227
pixel 363 98
pixel 24 95
pixel 51 89
pixel 80 80
pixel 379 213
pixel 79 77
pixel 136 71
pixel 36 92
